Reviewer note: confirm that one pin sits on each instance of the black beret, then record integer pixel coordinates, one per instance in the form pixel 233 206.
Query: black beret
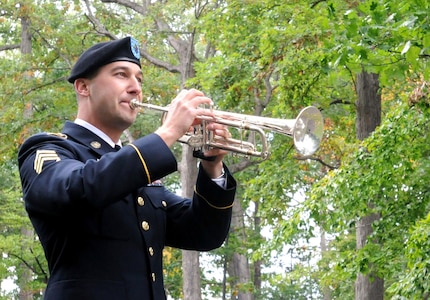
pixel 126 49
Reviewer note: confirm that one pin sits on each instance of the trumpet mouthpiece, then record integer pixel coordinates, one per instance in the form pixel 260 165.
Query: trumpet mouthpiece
pixel 134 104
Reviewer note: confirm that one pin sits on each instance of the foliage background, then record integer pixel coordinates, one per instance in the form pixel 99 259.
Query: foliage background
pixel 265 57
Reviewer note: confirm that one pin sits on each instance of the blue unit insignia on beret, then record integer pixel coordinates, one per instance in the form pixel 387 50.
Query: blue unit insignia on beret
pixel 134 45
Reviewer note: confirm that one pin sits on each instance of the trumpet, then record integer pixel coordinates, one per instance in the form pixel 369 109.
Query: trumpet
pixel 306 130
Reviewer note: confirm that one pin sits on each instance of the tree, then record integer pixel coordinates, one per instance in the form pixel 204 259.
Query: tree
pixel 370 284
pixel 254 74
pixel 368 105
pixel 20 248
pixel 108 19
pixel 27 231
pixel 348 33
pixel 267 58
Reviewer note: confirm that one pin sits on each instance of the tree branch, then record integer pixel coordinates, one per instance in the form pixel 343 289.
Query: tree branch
pixel 242 165
pixel 158 62
pixel 98 26
pixel 318 160
pixel 35 88
pixel 23 261
pixel 132 5
pixel 143 52
pixel 316 3
pixel 341 101
pixel 9 47
pixel 39 264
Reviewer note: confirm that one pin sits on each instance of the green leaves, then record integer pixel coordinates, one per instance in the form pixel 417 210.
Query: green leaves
pixel 414 283
pixel 385 37
pixel 266 57
pixel 391 170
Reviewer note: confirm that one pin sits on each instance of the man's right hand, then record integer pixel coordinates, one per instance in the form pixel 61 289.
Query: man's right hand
pixel 183 114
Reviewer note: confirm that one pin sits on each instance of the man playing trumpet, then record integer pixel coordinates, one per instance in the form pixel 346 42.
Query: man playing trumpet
pixel 101 214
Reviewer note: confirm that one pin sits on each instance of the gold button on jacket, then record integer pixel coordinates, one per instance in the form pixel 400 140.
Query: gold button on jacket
pixel 145 225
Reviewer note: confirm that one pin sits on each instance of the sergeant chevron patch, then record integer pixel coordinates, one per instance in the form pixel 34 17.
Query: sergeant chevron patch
pixel 42 156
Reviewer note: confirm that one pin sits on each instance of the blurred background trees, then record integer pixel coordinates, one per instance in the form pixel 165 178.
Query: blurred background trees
pixel 297 230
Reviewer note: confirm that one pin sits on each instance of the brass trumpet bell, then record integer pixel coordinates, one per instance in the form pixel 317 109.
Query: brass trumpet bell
pixel 308 131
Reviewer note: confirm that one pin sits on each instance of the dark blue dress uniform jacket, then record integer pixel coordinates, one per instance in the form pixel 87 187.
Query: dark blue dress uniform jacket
pixel 103 222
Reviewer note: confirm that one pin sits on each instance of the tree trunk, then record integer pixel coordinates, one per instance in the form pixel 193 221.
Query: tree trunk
pixel 257 263
pixel 25 36
pixel 190 259
pixel 239 268
pixel 192 282
pixel 368 105
pixel 26 275
pixel 369 286
pixel 323 245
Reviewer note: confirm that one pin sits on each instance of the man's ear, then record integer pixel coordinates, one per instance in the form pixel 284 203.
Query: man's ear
pixel 81 87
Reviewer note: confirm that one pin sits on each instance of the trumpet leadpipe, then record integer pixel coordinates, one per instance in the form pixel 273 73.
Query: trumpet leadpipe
pixel 136 104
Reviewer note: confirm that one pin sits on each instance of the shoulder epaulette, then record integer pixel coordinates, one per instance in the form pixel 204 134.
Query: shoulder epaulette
pixel 57 134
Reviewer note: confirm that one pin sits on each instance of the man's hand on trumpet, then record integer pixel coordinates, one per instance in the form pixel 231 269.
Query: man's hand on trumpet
pixel 214 168
pixel 184 112
pixel 182 115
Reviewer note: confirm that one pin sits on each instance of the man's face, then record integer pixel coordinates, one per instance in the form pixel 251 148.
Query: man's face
pixel 110 93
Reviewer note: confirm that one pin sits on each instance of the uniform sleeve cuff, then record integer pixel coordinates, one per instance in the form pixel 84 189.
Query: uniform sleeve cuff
pixel 220 198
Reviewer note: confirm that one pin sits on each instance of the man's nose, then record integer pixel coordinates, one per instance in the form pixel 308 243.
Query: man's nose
pixel 135 85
